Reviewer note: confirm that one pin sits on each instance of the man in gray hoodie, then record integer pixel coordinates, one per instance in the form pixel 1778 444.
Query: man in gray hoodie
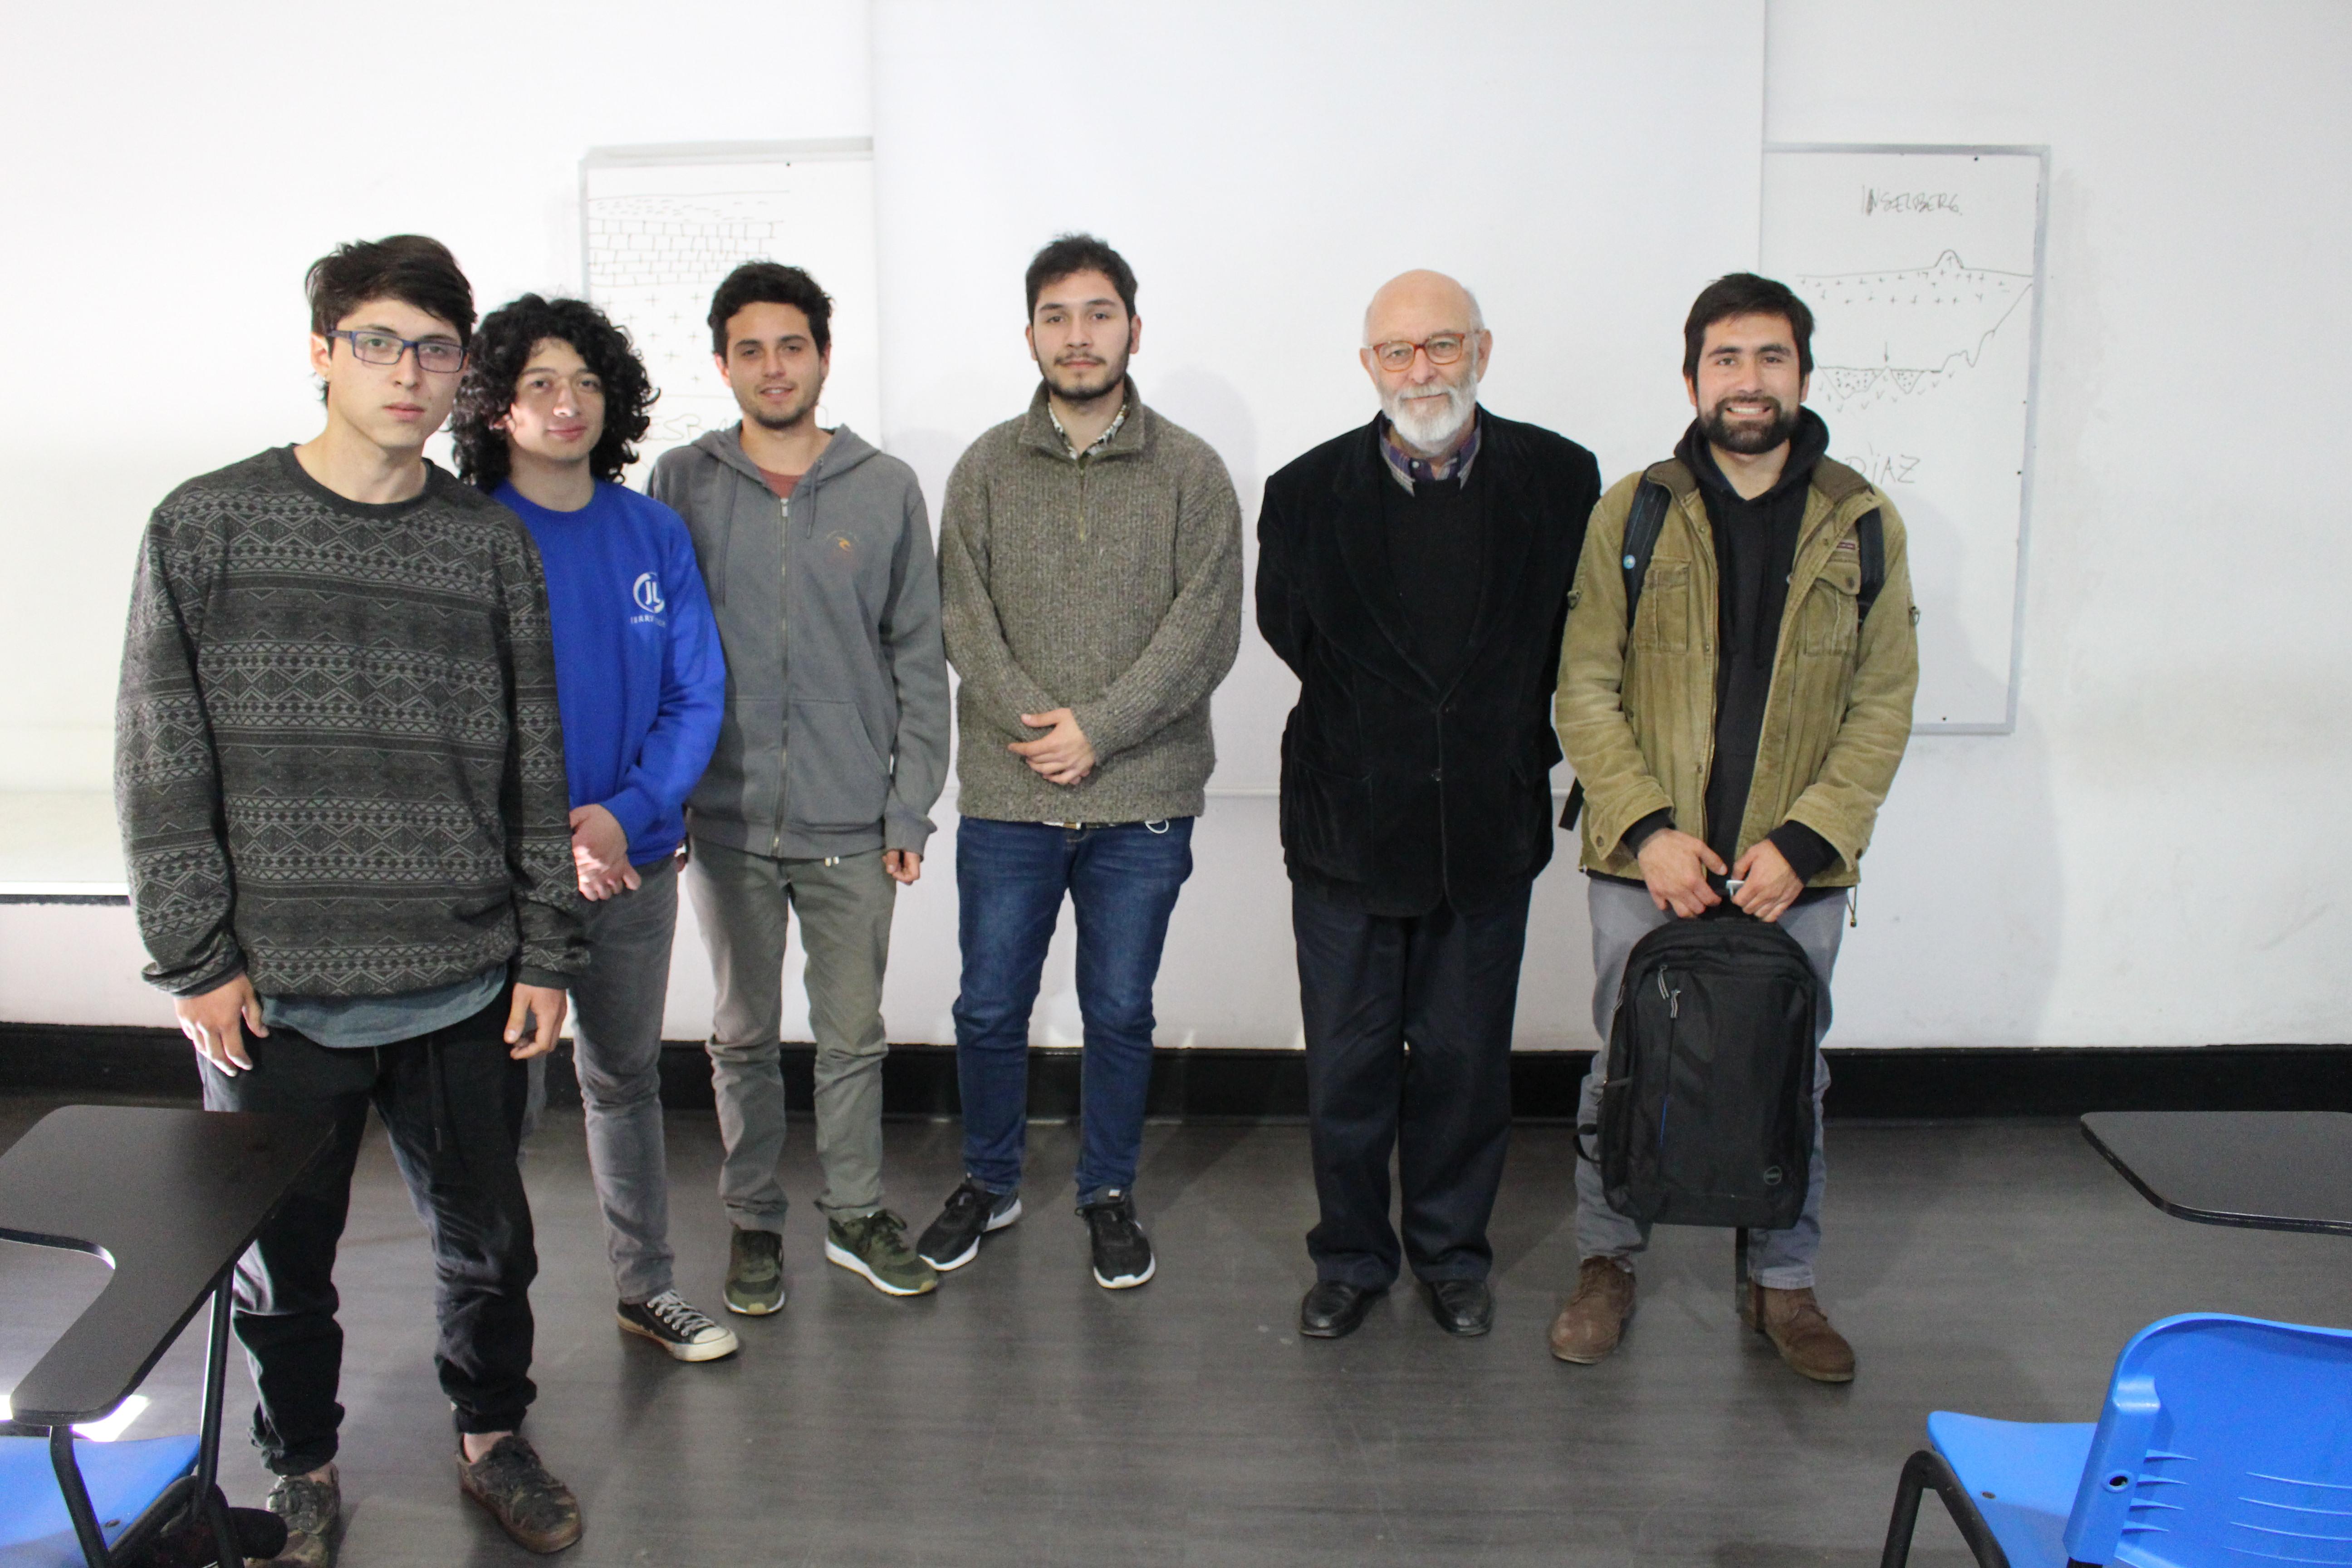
pixel 817 552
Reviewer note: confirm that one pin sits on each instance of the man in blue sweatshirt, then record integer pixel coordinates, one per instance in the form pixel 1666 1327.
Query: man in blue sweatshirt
pixel 554 396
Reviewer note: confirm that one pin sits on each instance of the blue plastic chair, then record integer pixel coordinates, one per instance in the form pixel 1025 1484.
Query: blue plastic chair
pixel 2224 1440
pixel 123 1479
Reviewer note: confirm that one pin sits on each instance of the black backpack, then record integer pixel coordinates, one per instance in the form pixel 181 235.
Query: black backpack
pixel 1707 1108
pixel 1642 525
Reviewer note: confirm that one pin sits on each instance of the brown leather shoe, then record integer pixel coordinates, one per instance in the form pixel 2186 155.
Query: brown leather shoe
pixel 530 1505
pixel 1793 1320
pixel 1589 1326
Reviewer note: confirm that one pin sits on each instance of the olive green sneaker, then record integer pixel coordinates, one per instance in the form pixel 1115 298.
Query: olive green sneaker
pixel 755 1273
pixel 875 1245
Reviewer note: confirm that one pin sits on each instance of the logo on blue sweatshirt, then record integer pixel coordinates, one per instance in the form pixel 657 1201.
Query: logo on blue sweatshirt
pixel 647 593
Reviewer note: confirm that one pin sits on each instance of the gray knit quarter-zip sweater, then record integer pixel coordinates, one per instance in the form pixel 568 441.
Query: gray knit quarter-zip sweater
pixel 835 739
pixel 1111 585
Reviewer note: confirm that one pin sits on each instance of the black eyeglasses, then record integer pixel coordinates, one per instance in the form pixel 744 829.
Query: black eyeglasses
pixel 436 354
pixel 1397 354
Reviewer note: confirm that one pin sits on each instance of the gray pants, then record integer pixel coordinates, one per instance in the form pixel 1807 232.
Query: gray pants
pixel 1622 915
pixel 744 902
pixel 616 1041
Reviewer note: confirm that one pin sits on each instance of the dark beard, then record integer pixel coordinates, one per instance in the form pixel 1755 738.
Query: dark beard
pixel 1071 390
pixel 1751 439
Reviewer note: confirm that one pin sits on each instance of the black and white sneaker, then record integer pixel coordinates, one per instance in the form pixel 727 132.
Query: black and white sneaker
pixel 971 1212
pixel 1122 1252
pixel 671 1321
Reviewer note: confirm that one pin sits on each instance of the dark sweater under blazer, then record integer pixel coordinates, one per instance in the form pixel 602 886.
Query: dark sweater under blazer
pixel 1397 793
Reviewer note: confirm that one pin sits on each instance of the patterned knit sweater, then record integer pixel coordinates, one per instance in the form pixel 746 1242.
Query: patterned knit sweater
pixel 339 764
pixel 1108 584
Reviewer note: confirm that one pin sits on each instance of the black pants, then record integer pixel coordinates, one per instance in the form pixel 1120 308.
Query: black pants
pixel 1408 1048
pixel 453 1102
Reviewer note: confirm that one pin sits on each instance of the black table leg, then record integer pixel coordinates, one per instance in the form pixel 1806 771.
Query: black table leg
pixel 209 1494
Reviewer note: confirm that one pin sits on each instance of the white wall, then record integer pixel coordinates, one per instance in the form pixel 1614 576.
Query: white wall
pixel 2150 859
pixel 2155 856
pixel 173 170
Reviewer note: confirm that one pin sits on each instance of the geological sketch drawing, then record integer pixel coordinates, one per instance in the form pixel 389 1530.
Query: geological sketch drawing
pixel 1881 338
pixel 653 261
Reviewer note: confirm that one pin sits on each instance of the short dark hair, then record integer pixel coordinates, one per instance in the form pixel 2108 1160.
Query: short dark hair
pixel 408 268
pixel 1074 253
pixel 503 351
pixel 1746 294
pixel 771 283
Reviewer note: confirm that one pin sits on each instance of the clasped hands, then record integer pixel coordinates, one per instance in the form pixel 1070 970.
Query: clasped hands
pixel 1676 866
pixel 1063 755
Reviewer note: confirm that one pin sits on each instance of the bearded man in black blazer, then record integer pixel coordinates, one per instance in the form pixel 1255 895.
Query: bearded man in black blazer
pixel 1414 574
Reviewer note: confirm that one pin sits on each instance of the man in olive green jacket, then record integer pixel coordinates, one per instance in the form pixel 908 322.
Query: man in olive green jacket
pixel 1737 739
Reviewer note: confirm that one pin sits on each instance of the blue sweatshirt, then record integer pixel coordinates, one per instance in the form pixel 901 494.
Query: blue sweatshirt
pixel 638 674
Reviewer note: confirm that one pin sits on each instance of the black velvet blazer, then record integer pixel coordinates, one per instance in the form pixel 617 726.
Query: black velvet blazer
pixel 1397 793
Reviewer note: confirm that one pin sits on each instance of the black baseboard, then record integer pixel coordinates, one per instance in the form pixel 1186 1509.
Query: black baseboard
pixel 1256 1086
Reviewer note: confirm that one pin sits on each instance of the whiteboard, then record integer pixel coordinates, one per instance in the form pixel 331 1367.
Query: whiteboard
pixel 1923 267
pixel 662 226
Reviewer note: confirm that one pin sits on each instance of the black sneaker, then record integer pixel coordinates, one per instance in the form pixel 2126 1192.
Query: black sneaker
pixel 972 1211
pixel 534 1508
pixel 671 1321
pixel 1122 1252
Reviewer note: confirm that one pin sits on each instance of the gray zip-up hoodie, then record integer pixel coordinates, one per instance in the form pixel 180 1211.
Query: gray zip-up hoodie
pixel 836 736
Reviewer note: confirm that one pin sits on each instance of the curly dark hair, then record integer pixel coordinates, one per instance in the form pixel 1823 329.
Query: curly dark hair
pixel 501 348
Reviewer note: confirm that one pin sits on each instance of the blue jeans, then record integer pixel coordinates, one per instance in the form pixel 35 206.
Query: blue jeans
pixel 1010 880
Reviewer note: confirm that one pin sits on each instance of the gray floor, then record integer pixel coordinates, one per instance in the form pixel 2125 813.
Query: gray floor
pixel 1024 1415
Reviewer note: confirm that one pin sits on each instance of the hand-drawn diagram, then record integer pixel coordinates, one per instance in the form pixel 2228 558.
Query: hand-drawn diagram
pixel 652 263
pixel 1886 336
pixel 1922 268
pixel 660 232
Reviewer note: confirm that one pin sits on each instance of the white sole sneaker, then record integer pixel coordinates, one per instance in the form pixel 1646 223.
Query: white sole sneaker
pixel 1129 1281
pixel 995 1222
pixel 708 1349
pixel 841 1257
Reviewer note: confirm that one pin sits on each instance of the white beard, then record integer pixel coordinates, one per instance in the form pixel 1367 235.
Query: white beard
pixel 1428 430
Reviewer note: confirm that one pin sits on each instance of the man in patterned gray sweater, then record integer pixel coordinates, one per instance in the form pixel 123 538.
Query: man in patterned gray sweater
pixel 340 773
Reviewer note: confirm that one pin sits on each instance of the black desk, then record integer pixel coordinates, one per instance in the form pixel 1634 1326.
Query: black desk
pixel 2271 1170
pixel 171 1199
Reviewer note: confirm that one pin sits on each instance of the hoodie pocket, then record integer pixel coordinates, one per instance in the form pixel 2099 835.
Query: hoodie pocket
pixel 834 777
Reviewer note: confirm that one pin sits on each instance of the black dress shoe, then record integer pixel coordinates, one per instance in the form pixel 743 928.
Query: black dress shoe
pixel 1334 1309
pixel 1464 1306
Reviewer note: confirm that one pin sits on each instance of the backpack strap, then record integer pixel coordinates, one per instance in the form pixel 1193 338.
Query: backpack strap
pixel 1642 525
pixel 1870 543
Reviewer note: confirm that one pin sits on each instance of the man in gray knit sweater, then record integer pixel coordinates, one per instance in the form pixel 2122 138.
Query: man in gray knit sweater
pixel 1090 563
pixel 338 766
